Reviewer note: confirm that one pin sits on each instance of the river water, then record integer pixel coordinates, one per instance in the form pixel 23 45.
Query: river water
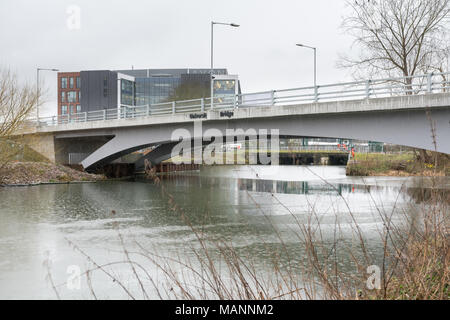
pixel 50 229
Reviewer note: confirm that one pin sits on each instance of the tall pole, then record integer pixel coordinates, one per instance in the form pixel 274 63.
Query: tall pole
pixel 315 68
pixel 315 61
pixel 212 56
pixel 37 96
pixel 212 65
pixel 316 95
pixel 37 90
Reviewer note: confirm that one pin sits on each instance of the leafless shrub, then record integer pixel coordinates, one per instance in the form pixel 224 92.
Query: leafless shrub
pixel 17 102
pixel 414 260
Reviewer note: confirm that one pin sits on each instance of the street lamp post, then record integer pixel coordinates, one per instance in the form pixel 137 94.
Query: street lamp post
pixel 315 62
pixel 305 140
pixel 212 55
pixel 37 90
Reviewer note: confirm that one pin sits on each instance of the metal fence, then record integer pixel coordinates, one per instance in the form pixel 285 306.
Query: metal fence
pixel 361 148
pixel 77 158
pixel 379 88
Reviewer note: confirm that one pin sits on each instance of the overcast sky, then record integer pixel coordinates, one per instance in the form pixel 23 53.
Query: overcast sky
pixel 118 34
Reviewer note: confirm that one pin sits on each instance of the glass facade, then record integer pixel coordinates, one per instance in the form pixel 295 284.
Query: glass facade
pixel 153 86
pixel 139 87
pixel 127 92
pixel 155 89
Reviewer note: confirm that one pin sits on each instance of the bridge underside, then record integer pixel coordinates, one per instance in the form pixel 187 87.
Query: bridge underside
pixel 415 128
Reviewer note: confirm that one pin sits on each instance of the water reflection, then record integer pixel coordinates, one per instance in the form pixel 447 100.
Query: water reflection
pixel 297 187
pixel 239 204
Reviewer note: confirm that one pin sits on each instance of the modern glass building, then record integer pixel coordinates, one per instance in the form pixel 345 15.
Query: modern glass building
pixel 105 89
pixel 155 89
pixel 159 85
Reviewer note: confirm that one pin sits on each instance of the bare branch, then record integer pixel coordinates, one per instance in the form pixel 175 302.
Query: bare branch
pixel 397 37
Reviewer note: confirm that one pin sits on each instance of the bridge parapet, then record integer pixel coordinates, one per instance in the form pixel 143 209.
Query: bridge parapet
pixel 388 110
pixel 412 102
pixel 365 90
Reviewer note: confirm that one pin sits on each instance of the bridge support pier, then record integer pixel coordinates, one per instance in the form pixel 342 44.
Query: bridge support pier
pixel 42 143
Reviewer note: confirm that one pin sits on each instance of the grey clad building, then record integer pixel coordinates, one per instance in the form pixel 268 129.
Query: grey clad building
pixel 98 90
pixel 104 89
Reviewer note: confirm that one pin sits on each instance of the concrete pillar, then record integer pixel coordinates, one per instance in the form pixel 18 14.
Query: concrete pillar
pixel 43 144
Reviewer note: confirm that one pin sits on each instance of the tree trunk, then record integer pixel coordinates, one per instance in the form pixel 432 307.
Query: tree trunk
pixel 425 157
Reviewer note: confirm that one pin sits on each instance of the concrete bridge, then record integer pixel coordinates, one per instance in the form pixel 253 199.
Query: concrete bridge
pixel 400 114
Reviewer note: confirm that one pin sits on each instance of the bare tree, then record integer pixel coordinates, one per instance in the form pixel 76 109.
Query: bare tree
pixel 397 37
pixel 17 102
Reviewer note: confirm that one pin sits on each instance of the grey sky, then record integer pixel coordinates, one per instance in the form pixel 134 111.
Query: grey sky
pixel 176 34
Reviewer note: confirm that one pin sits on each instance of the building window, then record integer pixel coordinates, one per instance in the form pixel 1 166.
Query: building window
pixel 78 108
pixel 64 83
pixel 71 82
pixel 63 110
pixel 72 96
pixel 79 96
pixel 127 92
pixel 63 96
pixel 78 82
pixel 105 87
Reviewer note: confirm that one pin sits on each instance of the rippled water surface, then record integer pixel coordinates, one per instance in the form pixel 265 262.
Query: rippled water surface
pixel 238 203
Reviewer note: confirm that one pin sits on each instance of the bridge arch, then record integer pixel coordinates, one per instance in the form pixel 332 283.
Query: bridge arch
pixel 408 127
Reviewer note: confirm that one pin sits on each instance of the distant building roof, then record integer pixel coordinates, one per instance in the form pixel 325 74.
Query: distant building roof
pixel 146 73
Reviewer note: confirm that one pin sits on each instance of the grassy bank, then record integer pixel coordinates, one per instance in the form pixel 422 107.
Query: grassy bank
pixel 21 165
pixel 405 164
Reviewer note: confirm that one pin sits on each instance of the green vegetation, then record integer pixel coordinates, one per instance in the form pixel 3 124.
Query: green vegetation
pixel 397 164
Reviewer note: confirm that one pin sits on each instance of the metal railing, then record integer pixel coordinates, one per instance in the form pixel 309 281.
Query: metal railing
pixel 379 88
pixel 77 158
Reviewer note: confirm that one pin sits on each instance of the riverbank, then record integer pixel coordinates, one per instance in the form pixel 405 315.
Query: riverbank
pixel 35 173
pixel 398 165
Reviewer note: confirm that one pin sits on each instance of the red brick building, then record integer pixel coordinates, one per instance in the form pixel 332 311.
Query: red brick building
pixel 69 93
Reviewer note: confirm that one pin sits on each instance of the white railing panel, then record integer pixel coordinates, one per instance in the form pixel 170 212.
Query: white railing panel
pixel 366 89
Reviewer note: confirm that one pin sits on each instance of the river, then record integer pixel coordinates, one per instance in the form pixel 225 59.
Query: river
pixel 44 228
